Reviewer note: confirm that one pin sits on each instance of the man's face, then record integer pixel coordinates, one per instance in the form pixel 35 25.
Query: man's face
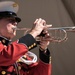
pixel 7 27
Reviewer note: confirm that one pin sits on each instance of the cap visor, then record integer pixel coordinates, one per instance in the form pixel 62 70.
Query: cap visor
pixel 17 19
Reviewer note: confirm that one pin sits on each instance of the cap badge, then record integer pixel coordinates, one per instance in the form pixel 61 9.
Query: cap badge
pixel 15 5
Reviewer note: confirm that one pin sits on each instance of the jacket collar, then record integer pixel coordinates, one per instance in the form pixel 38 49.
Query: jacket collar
pixel 4 40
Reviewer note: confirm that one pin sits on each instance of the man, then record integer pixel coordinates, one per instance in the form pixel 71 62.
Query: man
pixel 15 57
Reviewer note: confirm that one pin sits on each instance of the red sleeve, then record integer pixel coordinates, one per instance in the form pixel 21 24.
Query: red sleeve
pixel 9 54
pixel 43 68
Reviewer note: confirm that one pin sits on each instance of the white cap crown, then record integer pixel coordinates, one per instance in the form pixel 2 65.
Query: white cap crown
pixel 9 6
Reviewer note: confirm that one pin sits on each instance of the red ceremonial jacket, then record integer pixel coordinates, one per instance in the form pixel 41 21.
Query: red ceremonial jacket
pixel 10 53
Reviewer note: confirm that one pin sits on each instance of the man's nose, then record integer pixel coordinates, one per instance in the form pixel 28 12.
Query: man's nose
pixel 15 23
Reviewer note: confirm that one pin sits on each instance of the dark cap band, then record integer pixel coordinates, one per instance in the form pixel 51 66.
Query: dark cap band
pixel 5 14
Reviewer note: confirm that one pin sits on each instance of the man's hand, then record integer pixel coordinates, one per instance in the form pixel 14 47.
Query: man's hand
pixel 38 27
pixel 45 41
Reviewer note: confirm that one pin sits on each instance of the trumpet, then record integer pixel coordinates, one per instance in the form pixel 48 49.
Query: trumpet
pixel 58 34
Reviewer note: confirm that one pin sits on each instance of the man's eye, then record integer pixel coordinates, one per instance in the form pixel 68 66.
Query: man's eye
pixel 12 21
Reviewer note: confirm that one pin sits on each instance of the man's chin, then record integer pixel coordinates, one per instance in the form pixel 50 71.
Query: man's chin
pixel 12 36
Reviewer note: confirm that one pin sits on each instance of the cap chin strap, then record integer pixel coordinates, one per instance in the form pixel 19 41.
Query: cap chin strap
pixel 28 62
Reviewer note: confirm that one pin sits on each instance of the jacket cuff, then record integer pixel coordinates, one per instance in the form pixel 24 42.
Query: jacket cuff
pixel 29 41
pixel 44 56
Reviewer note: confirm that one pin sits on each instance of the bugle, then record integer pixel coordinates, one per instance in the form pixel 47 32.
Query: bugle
pixel 58 34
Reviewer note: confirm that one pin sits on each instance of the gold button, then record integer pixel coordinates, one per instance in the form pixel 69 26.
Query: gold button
pixel 3 41
pixel 34 44
pixel 19 67
pixel 3 72
pixel 24 56
pixel 15 5
pixel 50 57
pixel 29 47
pixel 18 60
pixel 50 60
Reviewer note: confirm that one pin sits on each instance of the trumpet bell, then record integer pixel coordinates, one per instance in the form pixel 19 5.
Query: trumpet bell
pixel 28 58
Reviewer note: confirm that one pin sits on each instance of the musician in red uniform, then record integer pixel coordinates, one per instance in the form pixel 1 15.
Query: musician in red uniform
pixel 15 57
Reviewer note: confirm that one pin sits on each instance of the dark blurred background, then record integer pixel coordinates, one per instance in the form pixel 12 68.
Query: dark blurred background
pixel 59 13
